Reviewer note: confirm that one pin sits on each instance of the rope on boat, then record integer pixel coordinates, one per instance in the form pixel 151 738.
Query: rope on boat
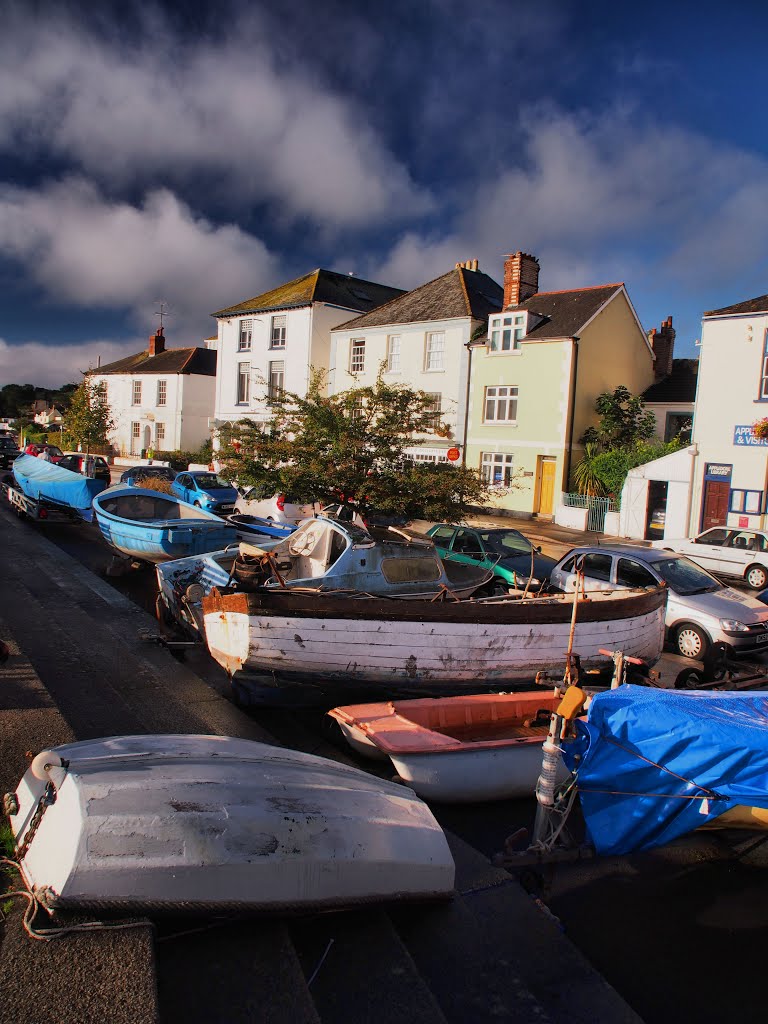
pixel 35 903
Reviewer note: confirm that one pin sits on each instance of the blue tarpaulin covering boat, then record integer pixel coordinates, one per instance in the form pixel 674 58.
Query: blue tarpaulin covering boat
pixel 46 481
pixel 657 764
pixel 152 527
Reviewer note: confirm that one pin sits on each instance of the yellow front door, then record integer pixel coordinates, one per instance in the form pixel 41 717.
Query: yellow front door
pixel 546 487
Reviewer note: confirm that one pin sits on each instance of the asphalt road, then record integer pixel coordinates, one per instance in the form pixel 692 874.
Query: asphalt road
pixel 679 933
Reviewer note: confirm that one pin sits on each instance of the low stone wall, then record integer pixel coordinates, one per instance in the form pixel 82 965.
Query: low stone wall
pixel 572 517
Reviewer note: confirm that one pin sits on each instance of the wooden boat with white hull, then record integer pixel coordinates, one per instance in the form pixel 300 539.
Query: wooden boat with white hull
pixel 342 646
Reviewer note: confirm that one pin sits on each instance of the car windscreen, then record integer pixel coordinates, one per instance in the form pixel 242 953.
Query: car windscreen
pixel 685 577
pixel 7 442
pixel 210 481
pixel 506 542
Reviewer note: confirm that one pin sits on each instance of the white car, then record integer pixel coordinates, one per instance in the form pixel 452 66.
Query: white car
pixel 278 507
pixel 700 610
pixel 727 551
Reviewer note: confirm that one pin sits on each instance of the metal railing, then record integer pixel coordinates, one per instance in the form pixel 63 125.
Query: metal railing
pixel 597 508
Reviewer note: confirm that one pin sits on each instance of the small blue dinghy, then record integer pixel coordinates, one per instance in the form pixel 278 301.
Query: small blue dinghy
pixel 149 526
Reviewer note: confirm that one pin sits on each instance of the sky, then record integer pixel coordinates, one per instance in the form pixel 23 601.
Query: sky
pixel 196 155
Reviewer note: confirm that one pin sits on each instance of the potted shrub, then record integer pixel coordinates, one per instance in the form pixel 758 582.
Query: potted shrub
pixel 760 429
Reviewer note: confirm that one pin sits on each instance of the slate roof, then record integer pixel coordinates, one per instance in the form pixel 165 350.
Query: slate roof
pixel 319 286
pixel 460 292
pixel 565 312
pixel 678 386
pixel 172 360
pixel 758 305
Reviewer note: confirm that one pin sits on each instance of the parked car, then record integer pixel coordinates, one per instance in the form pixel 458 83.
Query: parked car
pixel 75 463
pixel 657 522
pixel 54 452
pixel 9 451
pixel 135 476
pixel 507 552
pixel 206 490
pixel 726 551
pixel 700 609
pixel 281 508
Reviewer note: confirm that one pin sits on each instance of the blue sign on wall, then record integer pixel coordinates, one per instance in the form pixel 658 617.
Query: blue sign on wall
pixel 743 436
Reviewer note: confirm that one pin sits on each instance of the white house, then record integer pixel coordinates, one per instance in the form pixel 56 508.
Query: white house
pixel 421 339
pixel 274 340
pixel 730 482
pixel 160 398
pixel 50 417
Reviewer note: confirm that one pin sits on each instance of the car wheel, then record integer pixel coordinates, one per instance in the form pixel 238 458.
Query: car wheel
pixel 197 504
pixel 756 577
pixel 691 641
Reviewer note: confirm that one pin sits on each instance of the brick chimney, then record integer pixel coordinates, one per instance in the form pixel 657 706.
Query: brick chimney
pixel 157 343
pixel 663 345
pixel 521 278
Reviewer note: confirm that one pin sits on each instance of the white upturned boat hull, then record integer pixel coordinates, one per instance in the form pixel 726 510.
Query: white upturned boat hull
pixel 422 647
pixel 209 822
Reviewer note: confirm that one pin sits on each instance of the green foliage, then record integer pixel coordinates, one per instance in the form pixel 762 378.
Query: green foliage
pixel 624 420
pixel 179 460
pixel 611 467
pixel 585 477
pixel 16 399
pixel 89 419
pixel 350 447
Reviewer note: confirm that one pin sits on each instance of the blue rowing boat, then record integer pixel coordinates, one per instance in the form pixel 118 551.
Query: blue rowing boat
pixel 148 526
pixel 45 481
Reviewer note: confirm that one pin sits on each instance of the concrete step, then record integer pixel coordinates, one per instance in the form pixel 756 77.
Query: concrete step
pixel 358 970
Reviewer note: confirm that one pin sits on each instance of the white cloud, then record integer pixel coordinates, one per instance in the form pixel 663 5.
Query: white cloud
pixel 50 366
pixel 86 251
pixel 255 127
pixel 608 198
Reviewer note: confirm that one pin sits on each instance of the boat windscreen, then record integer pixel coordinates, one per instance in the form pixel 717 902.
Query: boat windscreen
pixel 424 569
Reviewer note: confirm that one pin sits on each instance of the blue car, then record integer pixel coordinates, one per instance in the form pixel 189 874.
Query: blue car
pixel 206 490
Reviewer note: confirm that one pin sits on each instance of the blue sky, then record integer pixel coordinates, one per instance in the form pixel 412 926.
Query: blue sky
pixel 200 154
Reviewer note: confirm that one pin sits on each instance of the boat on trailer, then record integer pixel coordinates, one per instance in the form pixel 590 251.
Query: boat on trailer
pixel 211 823
pixel 456 749
pixel 149 526
pixel 46 483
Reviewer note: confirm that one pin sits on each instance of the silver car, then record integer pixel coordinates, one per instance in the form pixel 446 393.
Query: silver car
pixel 700 610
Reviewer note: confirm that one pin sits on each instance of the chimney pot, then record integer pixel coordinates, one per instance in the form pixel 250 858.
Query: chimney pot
pixel 156 342
pixel 521 278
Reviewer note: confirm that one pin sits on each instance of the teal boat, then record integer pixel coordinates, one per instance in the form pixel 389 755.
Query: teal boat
pixel 46 482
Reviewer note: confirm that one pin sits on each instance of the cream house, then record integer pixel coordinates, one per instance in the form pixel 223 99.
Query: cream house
pixel 274 340
pixel 161 399
pixel 421 339
pixel 730 475
pixel 545 359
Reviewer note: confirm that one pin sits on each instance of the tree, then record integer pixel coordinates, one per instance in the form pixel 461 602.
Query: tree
pixel 350 447
pixel 89 419
pixel 585 475
pixel 624 420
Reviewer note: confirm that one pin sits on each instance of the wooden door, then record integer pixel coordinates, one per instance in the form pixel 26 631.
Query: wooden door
pixel 546 487
pixel 716 496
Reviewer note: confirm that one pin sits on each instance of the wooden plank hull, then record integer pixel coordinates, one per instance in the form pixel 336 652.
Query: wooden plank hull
pixel 419 646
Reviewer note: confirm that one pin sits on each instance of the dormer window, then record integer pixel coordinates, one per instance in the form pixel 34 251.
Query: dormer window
pixel 507 332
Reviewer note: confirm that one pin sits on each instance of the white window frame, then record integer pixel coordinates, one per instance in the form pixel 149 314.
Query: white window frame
pixel 496 468
pixel 434 352
pixel 506 333
pixel 162 392
pixel 245 337
pixel 394 344
pixel 136 392
pixel 243 391
pixel 501 401
pixel 436 412
pixel 276 369
pixel 357 355
pixel 159 435
pixel 277 331
pixel 135 430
